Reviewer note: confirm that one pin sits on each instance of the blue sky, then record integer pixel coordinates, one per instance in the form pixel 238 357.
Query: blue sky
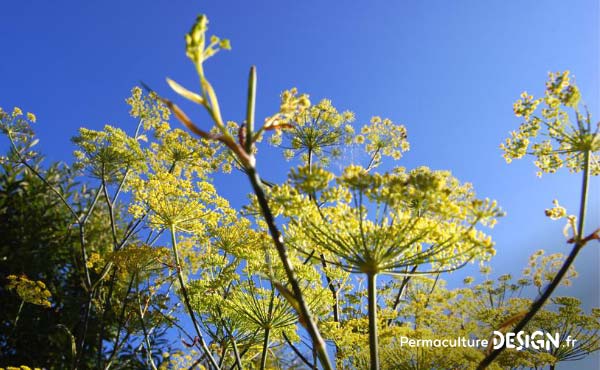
pixel 448 70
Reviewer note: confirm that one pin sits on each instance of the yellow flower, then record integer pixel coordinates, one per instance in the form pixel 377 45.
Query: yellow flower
pixel 557 212
pixel 34 292
pixel 566 142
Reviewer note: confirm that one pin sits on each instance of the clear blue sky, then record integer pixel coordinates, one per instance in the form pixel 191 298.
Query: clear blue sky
pixel 448 70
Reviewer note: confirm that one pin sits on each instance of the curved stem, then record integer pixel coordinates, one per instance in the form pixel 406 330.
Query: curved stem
pixel 372 292
pixel 186 300
pixel 580 241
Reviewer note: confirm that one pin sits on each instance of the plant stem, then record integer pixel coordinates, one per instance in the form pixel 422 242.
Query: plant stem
pixel 140 313
pixel 250 110
pixel 305 315
pixel 186 300
pixel 14 329
pixel 401 291
pixel 296 351
pixel 263 359
pixel 372 292
pixel 579 243
pixel 263 362
pixel 236 352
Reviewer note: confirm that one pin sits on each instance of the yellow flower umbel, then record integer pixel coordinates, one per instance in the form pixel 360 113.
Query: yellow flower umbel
pixel 542 269
pixel 108 154
pixel 34 292
pixel 417 217
pixel 383 138
pixel 18 128
pixel 174 200
pixel 176 203
pixel 316 131
pixel 566 142
pixel 386 223
pixel 153 114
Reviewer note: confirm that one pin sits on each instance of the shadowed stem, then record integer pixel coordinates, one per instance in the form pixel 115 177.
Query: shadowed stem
pixel 304 313
pixel 243 153
pixel 265 349
pixel 580 241
pixel 14 330
pixel 372 292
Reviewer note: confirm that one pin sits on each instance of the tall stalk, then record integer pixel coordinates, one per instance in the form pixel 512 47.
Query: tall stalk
pixel 303 310
pixel 580 241
pixel 267 337
pixel 373 341
pixel 265 349
pixel 243 151
pixel 186 300
pixel 302 307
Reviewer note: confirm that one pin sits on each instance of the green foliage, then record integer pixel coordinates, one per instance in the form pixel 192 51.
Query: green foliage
pixel 40 288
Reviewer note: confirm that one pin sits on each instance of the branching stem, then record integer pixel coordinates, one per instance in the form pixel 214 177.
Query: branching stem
pixel 580 241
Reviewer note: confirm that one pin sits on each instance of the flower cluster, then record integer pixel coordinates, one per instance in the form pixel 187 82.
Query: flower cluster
pixel 567 143
pixel 137 258
pixel 196 44
pixel 310 179
pixel 384 222
pixel 543 268
pixel 382 137
pixel 313 131
pixel 34 292
pixel 108 154
pixel 18 127
pixel 150 110
pixel 290 106
pixel 16 121
pixel 177 148
pixel 557 212
pixel 174 200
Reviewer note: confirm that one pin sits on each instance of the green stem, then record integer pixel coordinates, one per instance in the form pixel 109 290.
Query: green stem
pixel 186 299
pixel 120 325
pixel 18 313
pixel 263 362
pixel 303 309
pixel 372 292
pixel 140 313
pixel 584 191
pixel 14 329
pixel 250 110
pixel 263 359
pixel 236 352
pixel 579 243
pixel 297 351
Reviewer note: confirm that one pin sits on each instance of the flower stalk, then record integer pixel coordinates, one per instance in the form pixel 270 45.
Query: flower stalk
pixel 186 300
